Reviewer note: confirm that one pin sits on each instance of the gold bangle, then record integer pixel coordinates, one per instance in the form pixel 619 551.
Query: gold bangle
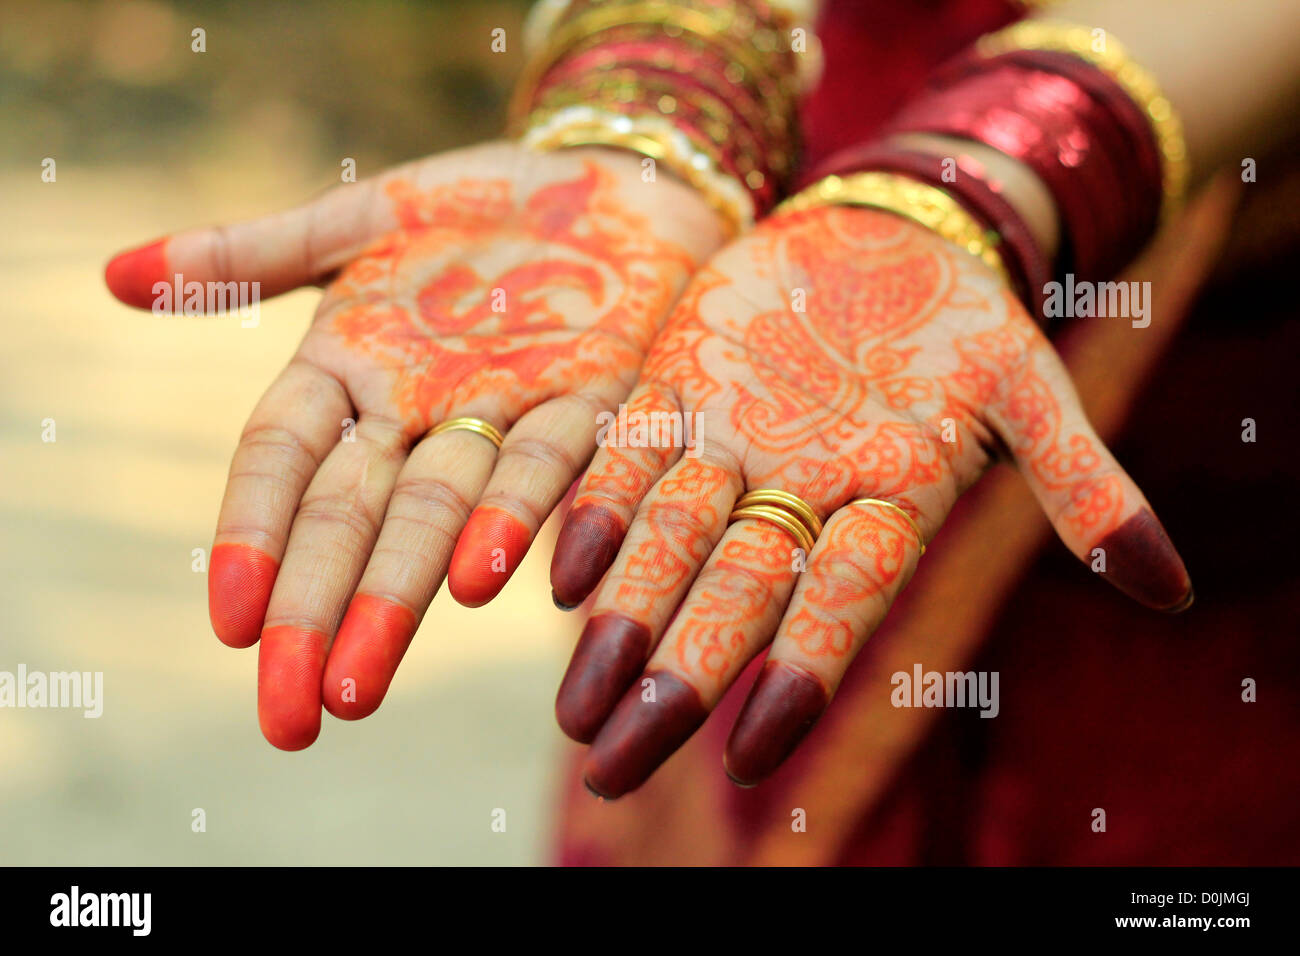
pixel 783 499
pixel 475 425
pixel 622 84
pixel 654 137
pixel 1115 60
pixel 659 100
pixel 920 202
pixel 776 124
pixel 715 27
pixel 782 519
pixel 882 503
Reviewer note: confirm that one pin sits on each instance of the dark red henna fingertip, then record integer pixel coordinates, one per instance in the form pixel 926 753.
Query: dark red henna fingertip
pixel 585 548
pixel 1142 562
pixel 784 704
pixel 131 275
pixel 608 657
pixel 561 605
pixel 641 734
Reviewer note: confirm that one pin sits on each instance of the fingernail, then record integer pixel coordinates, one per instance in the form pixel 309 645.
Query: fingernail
pixel 290 662
pixel 782 707
pixel 131 275
pixel 585 548
pixel 489 550
pixel 608 657
pixel 240 578
pixel 1184 604
pixel 561 605
pixel 641 734
pixel 370 644
pixel 1142 562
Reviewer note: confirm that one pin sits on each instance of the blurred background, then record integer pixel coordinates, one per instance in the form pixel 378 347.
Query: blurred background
pixel 99 525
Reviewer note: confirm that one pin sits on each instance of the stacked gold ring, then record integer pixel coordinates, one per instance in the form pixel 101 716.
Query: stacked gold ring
pixel 788 512
pixel 475 425
pixel 889 505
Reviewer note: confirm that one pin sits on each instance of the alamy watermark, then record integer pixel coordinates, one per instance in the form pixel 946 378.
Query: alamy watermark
pixel 75 908
pixel 948 689
pixel 179 297
pixel 1086 300
pixel 649 430
pixel 72 690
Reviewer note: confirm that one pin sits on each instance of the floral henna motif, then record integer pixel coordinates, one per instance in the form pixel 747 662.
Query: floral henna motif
pixel 877 551
pixel 844 353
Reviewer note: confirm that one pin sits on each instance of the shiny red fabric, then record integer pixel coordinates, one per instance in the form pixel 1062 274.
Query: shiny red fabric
pixel 879 54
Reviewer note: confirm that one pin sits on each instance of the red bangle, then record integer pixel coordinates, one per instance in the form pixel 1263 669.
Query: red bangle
pixel 1075 127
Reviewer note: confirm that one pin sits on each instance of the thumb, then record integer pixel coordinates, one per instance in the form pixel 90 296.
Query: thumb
pixel 280 252
pixel 1095 507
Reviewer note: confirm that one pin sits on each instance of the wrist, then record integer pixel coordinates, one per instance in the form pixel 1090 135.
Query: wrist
pixel 705 88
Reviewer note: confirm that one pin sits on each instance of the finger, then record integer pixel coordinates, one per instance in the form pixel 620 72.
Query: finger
pixel 1096 508
pixel 332 536
pixel 682 518
pixel 430 504
pixel 292 429
pixel 280 252
pixel 541 457
pixel 863 558
pixel 728 617
pixel 617 480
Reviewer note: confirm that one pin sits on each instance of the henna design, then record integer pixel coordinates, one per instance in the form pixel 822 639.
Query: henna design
pixel 848 389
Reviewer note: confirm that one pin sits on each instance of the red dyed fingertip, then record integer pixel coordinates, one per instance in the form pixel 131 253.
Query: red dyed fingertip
pixel 782 707
pixel 489 550
pixel 585 549
pixel 1143 563
pixel 372 639
pixel 240 579
pixel 641 734
pixel 131 275
pixel 289 668
pixel 610 655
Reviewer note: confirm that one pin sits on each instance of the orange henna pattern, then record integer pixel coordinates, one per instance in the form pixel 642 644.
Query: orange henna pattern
pixel 841 354
pixel 485 296
pixel 711 641
pixel 855 558
pixel 677 540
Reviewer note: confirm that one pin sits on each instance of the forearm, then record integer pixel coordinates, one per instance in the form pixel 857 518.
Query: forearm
pixel 1231 74
pixel 1231 70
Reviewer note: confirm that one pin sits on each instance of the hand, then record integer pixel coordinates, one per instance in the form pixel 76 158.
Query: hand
pixel 835 354
pixel 519 288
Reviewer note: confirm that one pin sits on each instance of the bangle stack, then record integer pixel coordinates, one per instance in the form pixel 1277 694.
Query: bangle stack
pixel 1067 102
pixel 1072 105
pixel 706 87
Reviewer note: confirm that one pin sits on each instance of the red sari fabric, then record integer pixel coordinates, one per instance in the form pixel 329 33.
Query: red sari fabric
pixel 1104 705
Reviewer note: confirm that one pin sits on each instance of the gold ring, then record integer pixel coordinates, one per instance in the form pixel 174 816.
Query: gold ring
pixel 782 519
pixel 475 425
pixel 783 499
pixel 920 539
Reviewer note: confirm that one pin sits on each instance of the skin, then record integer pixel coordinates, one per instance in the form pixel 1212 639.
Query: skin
pixel 523 289
pixel 836 354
